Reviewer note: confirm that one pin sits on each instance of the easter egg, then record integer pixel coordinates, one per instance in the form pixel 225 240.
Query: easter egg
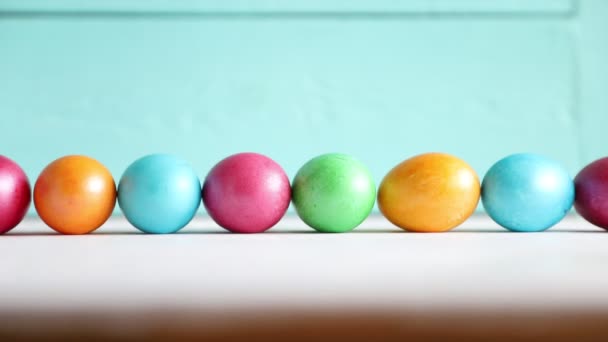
pixel 333 193
pixel 246 193
pixel 527 192
pixel 75 194
pixel 432 192
pixel 159 193
pixel 591 189
pixel 15 194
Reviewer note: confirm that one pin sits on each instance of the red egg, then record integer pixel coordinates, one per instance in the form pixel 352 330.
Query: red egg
pixel 15 194
pixel 591 193
pixel 247 193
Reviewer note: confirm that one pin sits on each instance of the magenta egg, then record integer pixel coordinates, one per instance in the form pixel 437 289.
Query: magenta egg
pixel 247 193
pixel 15 194
pixel 591 200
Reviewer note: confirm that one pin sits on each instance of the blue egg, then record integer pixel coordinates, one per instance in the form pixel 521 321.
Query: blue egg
pixel 527 192
pixel 159 193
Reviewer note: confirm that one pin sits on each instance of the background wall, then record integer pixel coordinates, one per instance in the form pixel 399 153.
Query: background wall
pixel 380 79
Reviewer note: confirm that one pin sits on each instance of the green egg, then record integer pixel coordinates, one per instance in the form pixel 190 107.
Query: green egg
pixel 333 193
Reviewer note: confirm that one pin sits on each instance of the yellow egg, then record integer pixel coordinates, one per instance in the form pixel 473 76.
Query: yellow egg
pixel 432 192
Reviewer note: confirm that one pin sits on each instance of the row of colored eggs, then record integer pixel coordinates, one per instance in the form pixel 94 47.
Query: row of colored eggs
pixel 250 193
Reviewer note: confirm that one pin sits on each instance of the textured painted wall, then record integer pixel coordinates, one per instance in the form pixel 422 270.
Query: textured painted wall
pixel 382 80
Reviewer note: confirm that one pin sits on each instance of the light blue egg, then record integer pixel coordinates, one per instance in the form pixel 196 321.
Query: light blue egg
pixel 527 192
pixel 159 193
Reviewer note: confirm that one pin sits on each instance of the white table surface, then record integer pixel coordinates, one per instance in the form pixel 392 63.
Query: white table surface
pixel 476 266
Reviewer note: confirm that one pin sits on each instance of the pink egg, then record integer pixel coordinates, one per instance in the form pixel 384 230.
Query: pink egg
pixel 15 194
pixel 247 193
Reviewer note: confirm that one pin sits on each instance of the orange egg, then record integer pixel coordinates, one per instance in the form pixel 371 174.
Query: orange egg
pixel 75 195
pixel 432 192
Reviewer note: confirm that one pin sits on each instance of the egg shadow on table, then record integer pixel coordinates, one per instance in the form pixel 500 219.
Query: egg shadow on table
pixel 53 233
pixel 21 234
pixel 312 231
pixel 552 231
pixel 300 231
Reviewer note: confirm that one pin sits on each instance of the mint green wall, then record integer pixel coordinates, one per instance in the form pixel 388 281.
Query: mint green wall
pixel 382 80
